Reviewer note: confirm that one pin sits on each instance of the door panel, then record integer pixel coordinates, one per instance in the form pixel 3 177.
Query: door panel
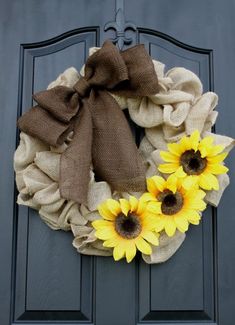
pixel 183 288
pixel 51 283
pixel 43 278
pixel 169 284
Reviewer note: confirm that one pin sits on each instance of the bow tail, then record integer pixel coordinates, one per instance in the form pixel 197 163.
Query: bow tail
pixel 75 161
pixel 115 155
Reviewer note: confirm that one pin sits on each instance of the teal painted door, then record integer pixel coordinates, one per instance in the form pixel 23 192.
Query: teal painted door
pixel 39 40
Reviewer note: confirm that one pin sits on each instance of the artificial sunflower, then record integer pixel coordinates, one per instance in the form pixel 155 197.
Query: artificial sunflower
pixel 173 205
pixel 127 227
pixel 195 158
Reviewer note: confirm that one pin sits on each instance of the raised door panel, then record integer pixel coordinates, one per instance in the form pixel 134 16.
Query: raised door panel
pixel 52 281
pixel 183 288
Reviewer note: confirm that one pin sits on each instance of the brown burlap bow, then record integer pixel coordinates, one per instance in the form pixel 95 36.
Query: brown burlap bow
pixel 102 135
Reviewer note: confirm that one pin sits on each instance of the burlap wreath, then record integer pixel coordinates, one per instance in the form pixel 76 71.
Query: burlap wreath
pixel 179 108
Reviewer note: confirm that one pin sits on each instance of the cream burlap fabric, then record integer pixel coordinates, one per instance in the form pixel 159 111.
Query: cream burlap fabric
pixel 37 174
pixel 176 110
pixel 168 247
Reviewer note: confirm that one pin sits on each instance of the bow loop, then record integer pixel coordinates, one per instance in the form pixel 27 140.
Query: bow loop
pixel 102 136
pixel 106 67
pixel 82 87
pixel 61 102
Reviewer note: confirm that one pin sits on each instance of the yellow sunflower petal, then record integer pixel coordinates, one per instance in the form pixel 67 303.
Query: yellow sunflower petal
pixel 214 181
pixel 169 157
pixel 217 159
pixel 185 144
pixel 216 169
pixel 180 172
pixel 151 186
pixel 154 207
pixel 97 224
pixel 111 242
pixel 170 226
pixel 143 246
pixel 194 140
pixel 114 206
pixel 208 181
pixel 168 168
pixel 151 237
pixel 193 217
pixel 146 197
pixel 125 206
pixel 105 212
pixel 118 252
pixel 105 233
pixel 199 205
pixel 133 203
pixel 141 206
pixel 198 194
pixel 160 225
pixel 205 146
pixel 130 251
pixel 174 148
pixel 190 182
pixel 149 221
pixel 181 223
pixel 207 141
pixel 159 182
pixel 215 150
pixel 204 182
pixel 203 152
pixel 194 200
pixel 171 183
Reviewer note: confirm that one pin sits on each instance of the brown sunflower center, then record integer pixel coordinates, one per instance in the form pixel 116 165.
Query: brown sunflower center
pixel 129 226
pixel 171 202
pixel 192 162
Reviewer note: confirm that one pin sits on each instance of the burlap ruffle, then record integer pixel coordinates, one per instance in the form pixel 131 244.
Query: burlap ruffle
pixel 178 109
pixel 37 174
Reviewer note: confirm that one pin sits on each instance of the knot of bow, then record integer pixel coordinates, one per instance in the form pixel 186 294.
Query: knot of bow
pixel 101 133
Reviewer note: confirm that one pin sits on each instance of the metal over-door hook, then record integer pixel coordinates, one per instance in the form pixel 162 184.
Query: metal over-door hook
pixel 120 26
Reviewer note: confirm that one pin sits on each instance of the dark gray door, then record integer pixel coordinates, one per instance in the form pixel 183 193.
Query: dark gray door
pixel 39 39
